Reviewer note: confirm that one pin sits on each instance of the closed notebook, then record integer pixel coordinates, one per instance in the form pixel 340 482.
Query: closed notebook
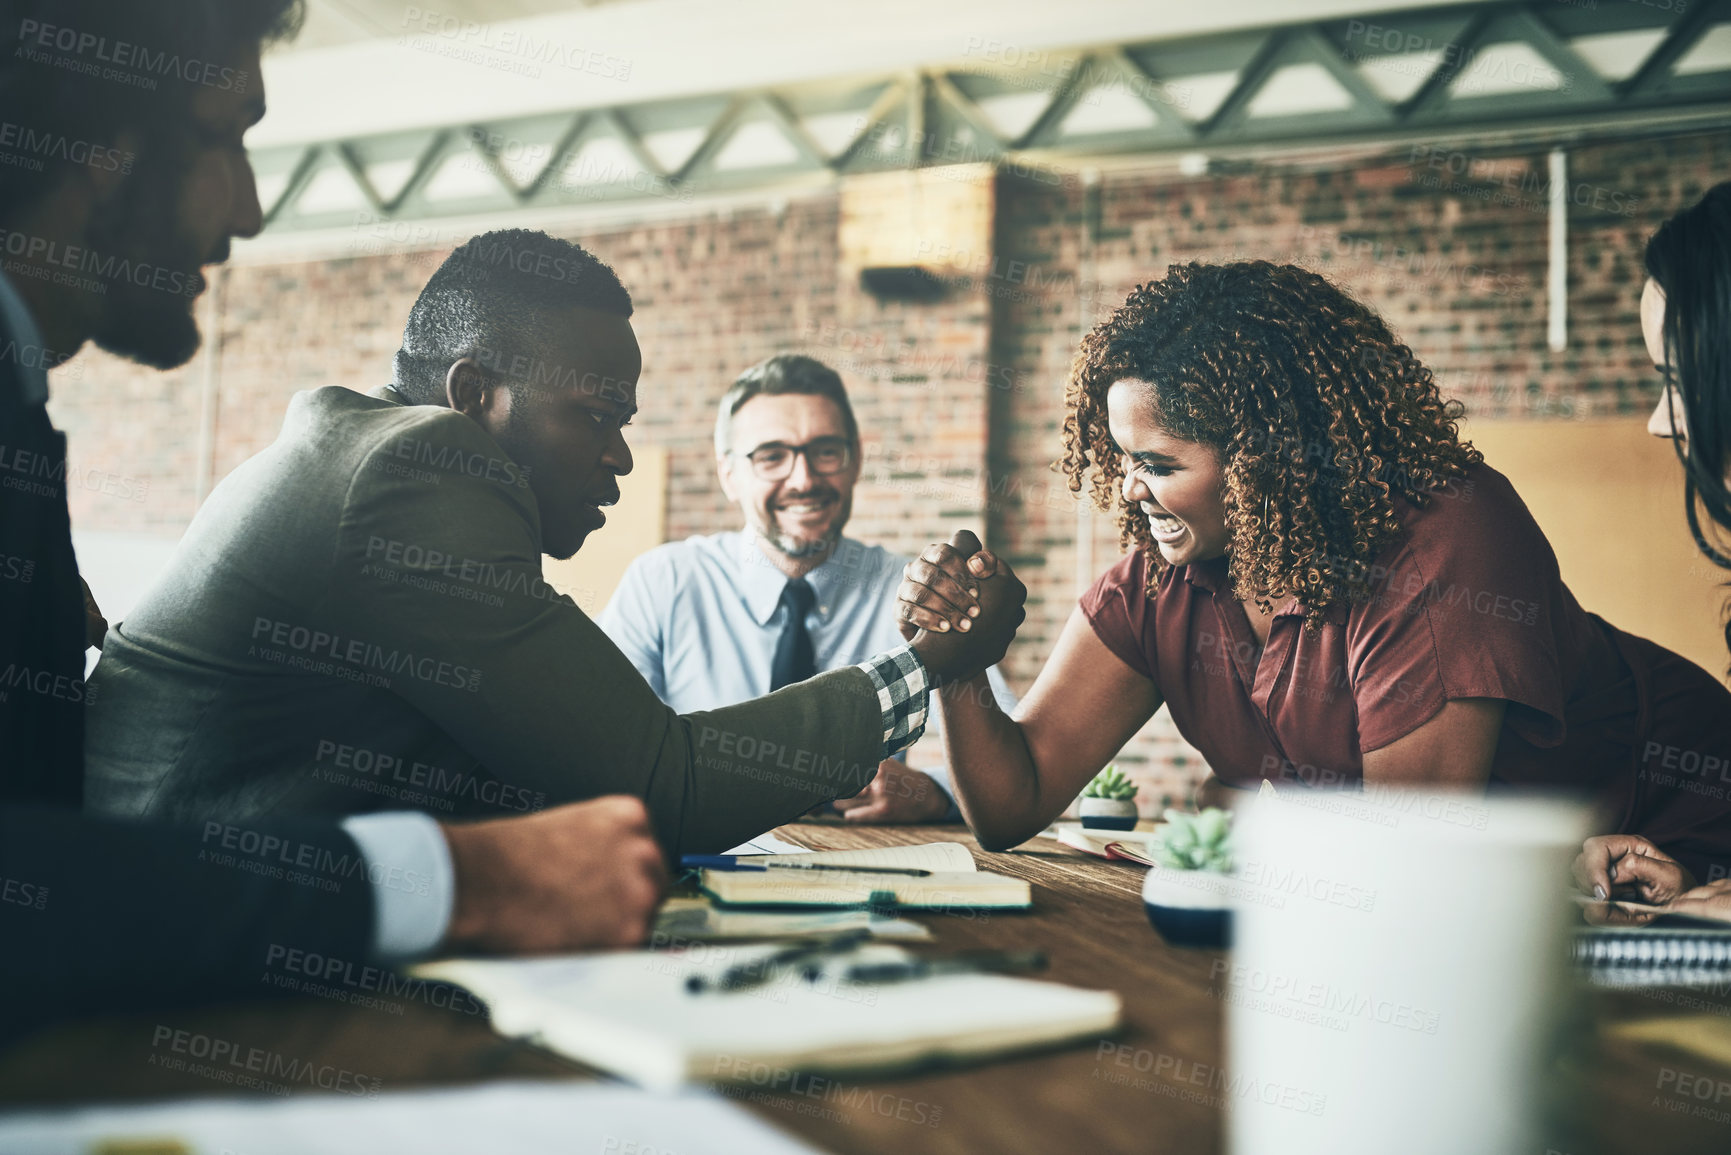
pixel 955 882
pixel 631 1013
pixel 683 921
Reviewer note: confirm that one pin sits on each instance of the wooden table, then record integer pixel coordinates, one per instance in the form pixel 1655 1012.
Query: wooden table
pixel 1144 1091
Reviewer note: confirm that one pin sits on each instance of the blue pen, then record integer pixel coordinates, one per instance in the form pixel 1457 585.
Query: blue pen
pixel 734 862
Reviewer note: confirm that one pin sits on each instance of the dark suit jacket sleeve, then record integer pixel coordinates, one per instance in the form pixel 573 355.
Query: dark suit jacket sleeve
pixel 438 588
pixel 42 691
pixel 102 915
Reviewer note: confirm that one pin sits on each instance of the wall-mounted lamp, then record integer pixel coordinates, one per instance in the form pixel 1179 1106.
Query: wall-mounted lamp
pixel 902 283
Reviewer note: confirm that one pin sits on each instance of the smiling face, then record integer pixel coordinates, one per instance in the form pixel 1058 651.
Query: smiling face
pixel 1179 484
pixel 801 515
pixel 191 193
pixel 570 437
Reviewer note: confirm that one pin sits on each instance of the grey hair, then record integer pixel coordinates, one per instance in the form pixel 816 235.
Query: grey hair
pixel 782 373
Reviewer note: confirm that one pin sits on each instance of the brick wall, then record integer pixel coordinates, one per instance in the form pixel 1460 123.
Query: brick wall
pixel 961 399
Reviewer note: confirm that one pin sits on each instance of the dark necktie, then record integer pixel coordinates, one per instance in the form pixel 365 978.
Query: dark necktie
pixel 794 660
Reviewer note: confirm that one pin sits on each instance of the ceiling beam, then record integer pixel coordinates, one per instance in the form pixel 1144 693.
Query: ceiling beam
pixel 944 122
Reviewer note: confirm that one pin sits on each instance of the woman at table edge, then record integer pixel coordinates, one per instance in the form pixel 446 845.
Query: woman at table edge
pixel 1316 593
pixel 1686 323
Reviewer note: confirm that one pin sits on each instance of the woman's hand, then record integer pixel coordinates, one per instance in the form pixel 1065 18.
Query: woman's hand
pixel 1627 866
pixel 1710 901
pixel 940 590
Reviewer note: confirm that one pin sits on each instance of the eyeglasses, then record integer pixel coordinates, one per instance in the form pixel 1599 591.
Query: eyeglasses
pixel 826 455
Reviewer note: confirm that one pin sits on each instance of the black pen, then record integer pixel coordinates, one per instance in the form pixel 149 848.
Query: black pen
pixel 758 971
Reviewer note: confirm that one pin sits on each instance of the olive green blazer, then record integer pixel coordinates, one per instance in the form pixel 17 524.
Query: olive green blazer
pixel 356 620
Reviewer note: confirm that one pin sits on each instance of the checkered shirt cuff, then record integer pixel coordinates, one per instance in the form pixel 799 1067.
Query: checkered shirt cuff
pixel 899 677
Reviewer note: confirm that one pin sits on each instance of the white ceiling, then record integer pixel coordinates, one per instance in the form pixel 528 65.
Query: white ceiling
pixel 373 66
pixel 332 22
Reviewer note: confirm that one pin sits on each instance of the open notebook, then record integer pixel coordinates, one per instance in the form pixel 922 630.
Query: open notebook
pixel 955 882
pixel 523 1118
pixel 630 1013
pixel 1118 845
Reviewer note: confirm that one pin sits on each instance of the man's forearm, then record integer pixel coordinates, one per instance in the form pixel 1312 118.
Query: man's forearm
pixel 760 763
pixel 482 889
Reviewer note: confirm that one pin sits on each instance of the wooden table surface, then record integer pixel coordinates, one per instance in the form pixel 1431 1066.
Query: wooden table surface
pixel 1147 1090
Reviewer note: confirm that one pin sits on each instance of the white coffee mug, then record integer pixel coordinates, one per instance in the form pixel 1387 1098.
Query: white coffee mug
pixel 1397 982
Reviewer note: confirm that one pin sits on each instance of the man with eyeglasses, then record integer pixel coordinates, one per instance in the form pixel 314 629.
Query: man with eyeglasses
pixel 714 620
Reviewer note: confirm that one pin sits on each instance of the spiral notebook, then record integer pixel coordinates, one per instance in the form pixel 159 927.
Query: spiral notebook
pixel 1694 947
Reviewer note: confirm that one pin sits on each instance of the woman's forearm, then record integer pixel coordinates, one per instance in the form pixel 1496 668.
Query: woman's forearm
pixel 992 771
pixel 1013 776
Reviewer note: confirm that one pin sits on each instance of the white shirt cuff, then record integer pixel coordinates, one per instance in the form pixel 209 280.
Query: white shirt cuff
pixel 414 884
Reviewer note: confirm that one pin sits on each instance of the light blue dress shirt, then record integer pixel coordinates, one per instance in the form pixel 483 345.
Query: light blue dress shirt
pixel 407 921
pixel 700 619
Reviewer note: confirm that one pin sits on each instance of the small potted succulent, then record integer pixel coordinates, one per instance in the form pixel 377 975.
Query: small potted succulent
pixel 1187 896
pixel 1109 801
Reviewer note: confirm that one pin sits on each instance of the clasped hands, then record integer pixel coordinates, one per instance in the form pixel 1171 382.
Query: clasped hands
pixel 959 606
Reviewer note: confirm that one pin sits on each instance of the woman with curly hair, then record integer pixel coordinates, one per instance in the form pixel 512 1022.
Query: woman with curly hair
pixel 1326 586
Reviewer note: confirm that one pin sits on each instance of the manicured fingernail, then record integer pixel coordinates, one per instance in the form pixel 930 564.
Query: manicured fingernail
pixel 943 627
pixel 966 623
pixel 973 611
pixel 1598 891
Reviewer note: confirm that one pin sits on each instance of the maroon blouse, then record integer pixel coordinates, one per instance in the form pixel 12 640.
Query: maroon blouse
pixel 1469 603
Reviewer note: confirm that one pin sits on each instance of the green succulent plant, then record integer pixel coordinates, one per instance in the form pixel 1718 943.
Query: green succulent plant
pixel 1110 783
pixel 1195 841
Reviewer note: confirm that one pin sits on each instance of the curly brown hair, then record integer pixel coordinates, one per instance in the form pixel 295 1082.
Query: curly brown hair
pixel 1319 416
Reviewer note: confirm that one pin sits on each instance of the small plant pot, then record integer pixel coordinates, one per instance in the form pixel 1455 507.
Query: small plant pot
pixel 1189 907
pixel 1109 813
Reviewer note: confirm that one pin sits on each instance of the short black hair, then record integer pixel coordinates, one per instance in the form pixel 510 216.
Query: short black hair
pixel 494 299
pixel 782 373
pixel 77 74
